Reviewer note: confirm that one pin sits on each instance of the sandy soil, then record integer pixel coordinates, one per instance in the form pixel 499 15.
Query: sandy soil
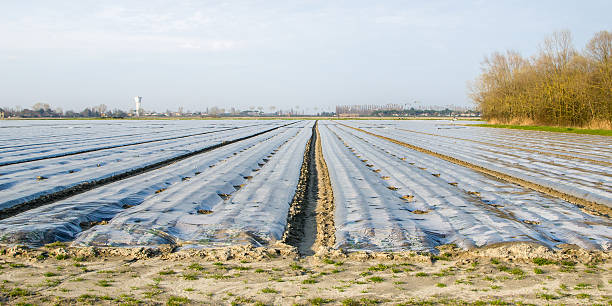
pixel 512 273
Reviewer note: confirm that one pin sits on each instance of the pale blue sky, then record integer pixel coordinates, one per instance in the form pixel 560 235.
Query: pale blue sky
pixel 310 54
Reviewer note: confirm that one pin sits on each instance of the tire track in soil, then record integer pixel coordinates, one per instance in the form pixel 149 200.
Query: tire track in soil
pixel 310 220
pixel 80 188
pixel 590 206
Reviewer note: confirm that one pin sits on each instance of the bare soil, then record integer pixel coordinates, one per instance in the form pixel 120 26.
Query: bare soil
pixel 512 273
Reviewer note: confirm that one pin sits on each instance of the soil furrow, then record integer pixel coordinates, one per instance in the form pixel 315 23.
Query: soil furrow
pixel 301 230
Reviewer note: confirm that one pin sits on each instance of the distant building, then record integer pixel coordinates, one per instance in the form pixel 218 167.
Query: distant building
pixel 138 101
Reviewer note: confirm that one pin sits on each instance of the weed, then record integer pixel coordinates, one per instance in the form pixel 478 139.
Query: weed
pixel 583 286
pixel 328 261
pixel 583 295
pixel 319 301
pixel 542 261
pixel 268 290
pixel 19 292
pixel 56 244
pixel 379 267
pixel 295 266
pixel 190 276
pixel 567 263
pixel 62 257
pixel 177 300
pixel 517 272
pixel 547 296
pixel 195 266
pixel 376 279
pixel 309 281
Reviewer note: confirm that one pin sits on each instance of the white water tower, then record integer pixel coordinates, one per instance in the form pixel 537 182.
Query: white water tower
pixel 138 100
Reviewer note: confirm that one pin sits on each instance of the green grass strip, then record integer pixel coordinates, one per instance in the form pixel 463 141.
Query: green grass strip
pixel 548 129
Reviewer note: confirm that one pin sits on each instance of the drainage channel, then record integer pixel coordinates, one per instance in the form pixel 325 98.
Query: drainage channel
pixel 80 188
pixel 311 211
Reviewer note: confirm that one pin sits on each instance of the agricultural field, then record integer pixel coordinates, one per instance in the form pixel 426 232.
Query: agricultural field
pixel 302 211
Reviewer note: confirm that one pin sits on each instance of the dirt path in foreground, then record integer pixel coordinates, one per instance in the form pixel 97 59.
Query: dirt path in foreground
pixel 512 273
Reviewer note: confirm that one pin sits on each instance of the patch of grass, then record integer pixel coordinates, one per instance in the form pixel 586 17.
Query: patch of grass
pixel 516 271
pixel 379 267
pixel 50 274
pixel 583 286
pixel 166 272
pixel 177 300
pixel 57 244
pixel 350 302
pixel 548 129
pixel 268 290
pixel 567 263
pixel 104 283
pixel 16 265
pixel 62 257
pixel 440 285
pixel 542 261
pixel 328 261
pixel 421 274
pixel 464 281
pixel 495 261
pixel 190 276
pixel 538 271
pixel 319 301
pixel 295 266
pixel 18 292
pixel 547 296
pixel 376 279
pixel 195 266
pixel 309 281
pixel 241 268
pixel 583 296
pixel 260 270
pixel 365 273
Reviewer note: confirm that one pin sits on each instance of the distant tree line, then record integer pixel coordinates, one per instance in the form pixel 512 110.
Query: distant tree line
pixel 412 112
pixel 44 110
pixel 558 86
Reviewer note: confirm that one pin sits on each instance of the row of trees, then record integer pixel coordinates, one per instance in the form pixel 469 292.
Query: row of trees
pixel 558 86
pixel 44 110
